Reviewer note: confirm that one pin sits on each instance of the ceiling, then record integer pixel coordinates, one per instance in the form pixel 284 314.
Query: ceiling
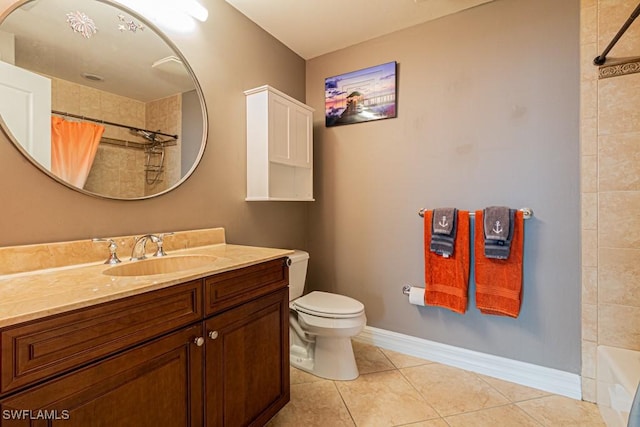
pixel 45 43
pixel 134 62
pixel 314 27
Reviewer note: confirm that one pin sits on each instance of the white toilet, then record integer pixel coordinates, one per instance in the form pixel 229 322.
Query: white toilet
pixel 321 325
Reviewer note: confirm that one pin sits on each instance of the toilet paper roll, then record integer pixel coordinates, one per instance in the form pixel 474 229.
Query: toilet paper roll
pixel 416 296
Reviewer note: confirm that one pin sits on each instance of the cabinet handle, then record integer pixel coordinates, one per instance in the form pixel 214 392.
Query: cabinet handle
pixel 213 335
pixel 199 341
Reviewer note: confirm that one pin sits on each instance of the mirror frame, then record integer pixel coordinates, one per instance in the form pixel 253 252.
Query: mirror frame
pixel 205 123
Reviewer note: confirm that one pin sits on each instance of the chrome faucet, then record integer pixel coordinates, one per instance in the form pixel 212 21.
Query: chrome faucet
pixel 113 257
pixel 139 247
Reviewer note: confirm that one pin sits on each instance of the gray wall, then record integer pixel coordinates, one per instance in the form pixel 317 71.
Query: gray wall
pixel 229 54
pixel 191 136
pixel 488 107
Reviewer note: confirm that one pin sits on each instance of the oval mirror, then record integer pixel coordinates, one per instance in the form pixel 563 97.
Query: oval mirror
pixel 99 98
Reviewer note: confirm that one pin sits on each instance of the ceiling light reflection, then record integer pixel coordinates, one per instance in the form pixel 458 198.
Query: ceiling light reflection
pixel 171 14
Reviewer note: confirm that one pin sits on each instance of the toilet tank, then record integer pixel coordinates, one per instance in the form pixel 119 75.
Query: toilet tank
pixel 297 273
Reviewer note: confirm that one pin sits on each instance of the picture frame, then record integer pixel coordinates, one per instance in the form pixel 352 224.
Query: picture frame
pixel 361 96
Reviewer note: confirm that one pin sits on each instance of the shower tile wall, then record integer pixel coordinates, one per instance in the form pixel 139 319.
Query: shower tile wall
pixel 86 101
pixel 610 150
pixel 119 171
pixel 166 114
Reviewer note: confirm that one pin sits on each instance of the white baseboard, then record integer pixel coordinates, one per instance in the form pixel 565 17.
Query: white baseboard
pixel 527 374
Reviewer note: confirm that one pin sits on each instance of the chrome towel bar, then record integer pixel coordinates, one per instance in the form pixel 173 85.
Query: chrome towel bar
pixel 527 213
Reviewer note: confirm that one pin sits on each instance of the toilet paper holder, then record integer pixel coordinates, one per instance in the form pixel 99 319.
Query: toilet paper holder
pixel 415 295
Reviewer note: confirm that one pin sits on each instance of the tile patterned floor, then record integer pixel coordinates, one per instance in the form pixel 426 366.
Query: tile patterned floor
pixel 399 390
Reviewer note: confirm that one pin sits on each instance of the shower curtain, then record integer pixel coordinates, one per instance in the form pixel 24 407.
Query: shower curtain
pixel 73 148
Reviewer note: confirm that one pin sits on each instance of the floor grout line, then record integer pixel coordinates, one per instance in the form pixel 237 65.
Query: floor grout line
pixel 375 360
pixel 353 420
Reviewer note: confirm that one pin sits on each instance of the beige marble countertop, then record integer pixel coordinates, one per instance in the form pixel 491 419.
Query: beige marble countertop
pixel 36 294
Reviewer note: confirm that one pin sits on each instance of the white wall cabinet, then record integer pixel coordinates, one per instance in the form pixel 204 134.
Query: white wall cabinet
pixel 279 146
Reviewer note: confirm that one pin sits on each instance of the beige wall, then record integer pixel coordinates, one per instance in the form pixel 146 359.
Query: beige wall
pixel 488 114
pixel 610 132
pixel 229 54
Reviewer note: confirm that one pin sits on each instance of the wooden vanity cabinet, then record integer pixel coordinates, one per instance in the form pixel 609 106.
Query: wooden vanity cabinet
pixel 156 384
pixel 228 366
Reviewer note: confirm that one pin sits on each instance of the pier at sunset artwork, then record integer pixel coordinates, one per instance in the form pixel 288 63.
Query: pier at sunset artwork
pixel 361 96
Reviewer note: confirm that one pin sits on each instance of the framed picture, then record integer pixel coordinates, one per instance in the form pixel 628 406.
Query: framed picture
pixel 361 96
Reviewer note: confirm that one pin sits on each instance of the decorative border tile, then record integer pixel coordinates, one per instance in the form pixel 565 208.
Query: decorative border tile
pixel 620 69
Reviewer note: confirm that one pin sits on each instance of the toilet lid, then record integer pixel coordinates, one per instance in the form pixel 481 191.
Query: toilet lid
pixel 328 305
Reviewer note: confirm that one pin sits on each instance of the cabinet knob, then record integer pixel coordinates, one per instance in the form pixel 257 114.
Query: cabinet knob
pixel 213 335
pixel 199 341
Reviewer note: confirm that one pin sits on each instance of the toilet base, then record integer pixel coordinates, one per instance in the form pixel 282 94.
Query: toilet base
pixel 331 358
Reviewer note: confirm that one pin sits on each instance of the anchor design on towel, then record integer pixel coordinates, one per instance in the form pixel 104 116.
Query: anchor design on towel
pixel 497 228
pixel 443 222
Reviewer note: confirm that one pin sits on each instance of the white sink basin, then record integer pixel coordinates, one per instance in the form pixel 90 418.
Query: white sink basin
pixel 163 265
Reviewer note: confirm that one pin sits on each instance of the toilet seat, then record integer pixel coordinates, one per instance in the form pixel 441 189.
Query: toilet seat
pixel 325 304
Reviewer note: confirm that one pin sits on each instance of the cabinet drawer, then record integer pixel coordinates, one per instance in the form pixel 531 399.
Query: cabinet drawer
pixel 229 289
pixel 37 350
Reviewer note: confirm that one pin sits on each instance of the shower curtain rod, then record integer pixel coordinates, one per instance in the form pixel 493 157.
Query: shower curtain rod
pixel 135 129
pixel 600 59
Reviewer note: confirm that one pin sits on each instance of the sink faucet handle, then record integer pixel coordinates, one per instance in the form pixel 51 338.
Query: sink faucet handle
pixel 113 247
pixel 159 241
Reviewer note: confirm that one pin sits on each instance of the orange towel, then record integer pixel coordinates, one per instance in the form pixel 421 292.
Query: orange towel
pixel 447 279
pixel 499 281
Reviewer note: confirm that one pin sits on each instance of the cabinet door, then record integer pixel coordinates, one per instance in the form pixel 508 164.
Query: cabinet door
pixel 302 122
pixel 247 362
pixel 290 132
pixel 25 106
pixel 155 384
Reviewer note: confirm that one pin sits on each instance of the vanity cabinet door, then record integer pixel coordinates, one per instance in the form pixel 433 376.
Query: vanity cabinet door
pixel 155 384
pixel 247 362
